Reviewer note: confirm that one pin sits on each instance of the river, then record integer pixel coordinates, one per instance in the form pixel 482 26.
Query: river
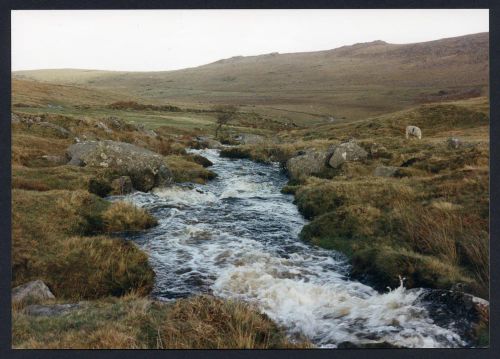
pixel 237 237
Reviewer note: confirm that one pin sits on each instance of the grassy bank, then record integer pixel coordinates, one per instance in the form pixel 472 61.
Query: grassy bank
pixel 427 223
pixel 134 322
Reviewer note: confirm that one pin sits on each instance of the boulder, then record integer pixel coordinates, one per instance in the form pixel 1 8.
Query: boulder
pixel 464 311
pixel 145 168
pixel 385 171
pixel 35 290
pixel 205 162
pixel 206 142
pixel 53 310
pixel 249 139
pixel 121 185
pixel 310 162
pixel 347 152
pixel 454 143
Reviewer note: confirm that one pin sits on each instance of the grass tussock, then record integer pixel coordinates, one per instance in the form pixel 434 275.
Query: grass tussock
pixel 87 270
pixel 49 243
pixel 185 169
pixel 124 216
pixel 132 322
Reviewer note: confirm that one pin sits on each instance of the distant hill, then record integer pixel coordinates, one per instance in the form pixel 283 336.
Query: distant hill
pixel 351 81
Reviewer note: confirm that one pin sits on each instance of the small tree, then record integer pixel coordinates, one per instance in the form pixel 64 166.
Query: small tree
pixel 225 114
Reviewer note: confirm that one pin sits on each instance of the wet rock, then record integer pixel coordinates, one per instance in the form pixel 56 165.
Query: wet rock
pixel 121 185
pixel 35 290
pixel 146 168
pixel 454 143
pixel 347 152
pixel 468 314
pixel 351 345
pixel 386 171
pixel 53 310
pixel 205 162
pixel 310 162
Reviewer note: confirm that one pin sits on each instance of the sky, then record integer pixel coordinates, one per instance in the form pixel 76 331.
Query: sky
pixel 155 40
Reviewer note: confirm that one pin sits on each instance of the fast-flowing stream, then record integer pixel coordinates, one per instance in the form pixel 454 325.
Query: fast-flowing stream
pixel 237 237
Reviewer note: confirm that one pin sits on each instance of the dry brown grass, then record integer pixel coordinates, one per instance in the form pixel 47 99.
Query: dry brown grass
pixel 95 267
pixel 48 244
pixel 124 216
pixel 132 322
pixel 184 169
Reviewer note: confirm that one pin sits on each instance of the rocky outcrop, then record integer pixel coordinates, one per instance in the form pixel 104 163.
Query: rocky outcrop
pixel 35 290
pixel 53 310
pixel 310 162
pixel 145 168
pixel 347 152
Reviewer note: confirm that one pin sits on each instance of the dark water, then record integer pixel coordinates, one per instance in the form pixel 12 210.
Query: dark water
pixel 237 237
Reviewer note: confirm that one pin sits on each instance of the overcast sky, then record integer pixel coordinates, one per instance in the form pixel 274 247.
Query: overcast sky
pixel 146 40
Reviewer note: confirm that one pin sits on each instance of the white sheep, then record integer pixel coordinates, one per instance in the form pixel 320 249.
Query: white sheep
pixel 413 131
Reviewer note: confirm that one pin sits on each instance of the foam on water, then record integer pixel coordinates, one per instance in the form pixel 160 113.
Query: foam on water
pixel 237 237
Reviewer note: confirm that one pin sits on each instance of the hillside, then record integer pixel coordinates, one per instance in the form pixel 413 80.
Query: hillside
pixel 351 81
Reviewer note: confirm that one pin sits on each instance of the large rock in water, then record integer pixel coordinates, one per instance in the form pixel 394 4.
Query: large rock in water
pixel 311 162
pixel 146 168
pixel 467 313
pixel 206 142
pixel 347 152
pixel 35 290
